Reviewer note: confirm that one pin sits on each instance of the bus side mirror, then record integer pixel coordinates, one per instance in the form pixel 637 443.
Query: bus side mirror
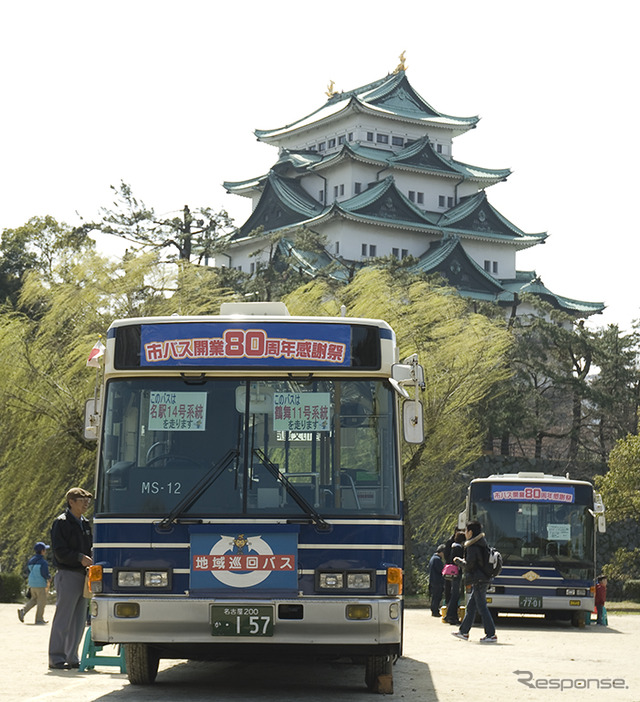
pixel 598 504
pixel 91 420
pixel 462 520
pixel 412 421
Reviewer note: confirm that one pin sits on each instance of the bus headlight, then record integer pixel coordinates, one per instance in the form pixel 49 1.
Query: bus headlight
pixel 359 581
pixel 156 578
pixel 129 578
pixel 363 581
pixel 331 581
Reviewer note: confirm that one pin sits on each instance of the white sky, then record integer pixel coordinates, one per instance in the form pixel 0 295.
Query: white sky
pixel 166 95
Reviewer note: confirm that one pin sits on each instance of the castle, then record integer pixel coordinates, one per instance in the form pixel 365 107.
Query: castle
pixel 372 171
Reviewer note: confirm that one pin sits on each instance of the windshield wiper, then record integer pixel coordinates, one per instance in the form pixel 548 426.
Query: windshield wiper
pixel 304 505
pixel 199 488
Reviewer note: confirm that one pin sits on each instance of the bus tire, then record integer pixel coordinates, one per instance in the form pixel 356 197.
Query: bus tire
pixel 142 663
pixel 378 674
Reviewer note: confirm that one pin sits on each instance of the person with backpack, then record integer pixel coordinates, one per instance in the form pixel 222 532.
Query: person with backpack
pixel 476 567
pixel 38 582
pixel 457 551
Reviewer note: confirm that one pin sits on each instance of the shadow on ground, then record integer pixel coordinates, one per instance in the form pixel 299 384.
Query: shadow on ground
pixel 275 682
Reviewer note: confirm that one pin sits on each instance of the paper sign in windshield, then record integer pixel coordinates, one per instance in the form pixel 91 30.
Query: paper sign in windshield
pixel 301 411
pixel 178 411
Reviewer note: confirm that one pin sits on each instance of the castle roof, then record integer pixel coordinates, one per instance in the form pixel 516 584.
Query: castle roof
pixel 475 217
pixel 529 282
pixel 392 97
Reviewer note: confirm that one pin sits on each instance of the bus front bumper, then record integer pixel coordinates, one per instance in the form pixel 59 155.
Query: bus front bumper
pixel 184 620
pixel 532 604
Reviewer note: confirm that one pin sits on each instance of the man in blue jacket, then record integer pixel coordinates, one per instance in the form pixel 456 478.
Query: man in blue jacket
pixel 72 542
pixel 38 583
pixel 475 563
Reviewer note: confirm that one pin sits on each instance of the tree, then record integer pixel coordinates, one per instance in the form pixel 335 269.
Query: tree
pixel 463 356
pixel 39 245
pixel 621 484
pixel 194 235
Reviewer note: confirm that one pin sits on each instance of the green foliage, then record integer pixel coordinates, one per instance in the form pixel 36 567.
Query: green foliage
pixel 11 585
pixel 631 590
pixel 41 245
pixel 463 357
pixel 624 567
pixel 620 487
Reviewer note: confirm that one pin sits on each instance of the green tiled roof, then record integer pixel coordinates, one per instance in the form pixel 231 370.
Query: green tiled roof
pixel 383 201
pixel 391 96
pixel 283 203
pixel 475 216
pixel 449 258
pixel 529 282
pixel 311 262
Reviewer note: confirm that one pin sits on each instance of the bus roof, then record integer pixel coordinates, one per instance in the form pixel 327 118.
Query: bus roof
pixel 174 319
pixel 527 476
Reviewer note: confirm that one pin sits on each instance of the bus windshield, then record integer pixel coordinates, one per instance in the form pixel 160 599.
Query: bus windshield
pixel 558 534
pixel 242 447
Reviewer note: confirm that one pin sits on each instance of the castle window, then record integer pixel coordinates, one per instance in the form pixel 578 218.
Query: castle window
pixel 372 249
pixel 363 250
pixel 421 198
pixel 322 146
pixel 405 253
pixel 439 148
pixel 350 136
pixel 412 195
pixel 397 141
pixel 332 143
pixel 357 188
pixel 369 136
pixel 321 196
pixel 395 253
pixel 335 191
pixel 337 247
pixel 382 138
pixel 494 267
pixel 441 200
pixel 341 139
pixel 487 266
pixel 342 189
pixel 449 202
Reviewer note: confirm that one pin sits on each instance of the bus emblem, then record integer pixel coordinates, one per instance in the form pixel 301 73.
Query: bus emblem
pixel 530 576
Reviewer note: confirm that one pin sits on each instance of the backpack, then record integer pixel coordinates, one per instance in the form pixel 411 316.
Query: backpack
pixel 493 565
pixel 450 571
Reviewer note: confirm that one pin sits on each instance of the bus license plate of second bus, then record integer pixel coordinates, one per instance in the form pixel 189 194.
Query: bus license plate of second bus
pixel 530 602
pixel 241 620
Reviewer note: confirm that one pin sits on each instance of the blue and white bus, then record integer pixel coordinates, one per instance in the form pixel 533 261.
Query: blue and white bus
pixel 249 490
pixel 545 528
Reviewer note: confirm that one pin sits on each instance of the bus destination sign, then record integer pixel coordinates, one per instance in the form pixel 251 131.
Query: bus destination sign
pixel 245 345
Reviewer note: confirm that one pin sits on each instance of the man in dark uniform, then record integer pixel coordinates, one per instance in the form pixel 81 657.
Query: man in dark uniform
pixel 71 543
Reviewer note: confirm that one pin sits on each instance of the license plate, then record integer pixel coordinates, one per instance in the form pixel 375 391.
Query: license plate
pixel 241 620
pixel 530 602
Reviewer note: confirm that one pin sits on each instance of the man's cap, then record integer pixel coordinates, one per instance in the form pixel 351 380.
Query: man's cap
pixel 40 546
pixel 75 492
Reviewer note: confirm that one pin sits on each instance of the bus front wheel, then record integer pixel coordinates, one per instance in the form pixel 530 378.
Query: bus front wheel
pixel 142 663
pixel 378 674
